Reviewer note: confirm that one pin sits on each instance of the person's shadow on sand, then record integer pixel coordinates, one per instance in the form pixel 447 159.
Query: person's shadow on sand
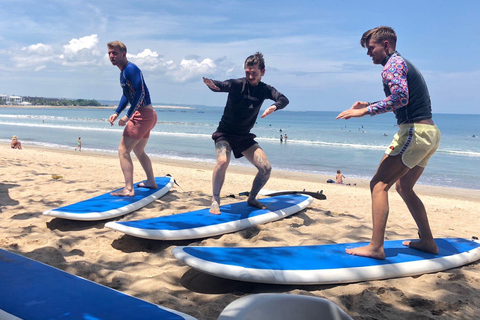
pixel 5 199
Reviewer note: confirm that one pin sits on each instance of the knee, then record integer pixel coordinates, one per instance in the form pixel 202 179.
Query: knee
pixel 139 153
pixel 122 151
pixel 265 168
pixel 222 163
pixel 402 189
pixel 377 186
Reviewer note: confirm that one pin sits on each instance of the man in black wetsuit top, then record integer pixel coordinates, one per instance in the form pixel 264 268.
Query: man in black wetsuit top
pixel 408 154
pixel 245 97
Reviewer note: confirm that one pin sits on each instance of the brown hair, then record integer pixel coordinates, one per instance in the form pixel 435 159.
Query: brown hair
pixel 255 59
pixel 379 34
pixel 118 44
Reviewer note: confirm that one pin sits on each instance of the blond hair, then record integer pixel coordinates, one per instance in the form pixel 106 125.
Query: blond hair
pixel 379 34
pixel 119 45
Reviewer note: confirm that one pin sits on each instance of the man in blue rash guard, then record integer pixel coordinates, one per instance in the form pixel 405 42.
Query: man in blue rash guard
pixel 139 120
pixel 416 141
pixel 245 97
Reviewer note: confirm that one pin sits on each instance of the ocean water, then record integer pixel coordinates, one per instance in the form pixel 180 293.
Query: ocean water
pixel 317 143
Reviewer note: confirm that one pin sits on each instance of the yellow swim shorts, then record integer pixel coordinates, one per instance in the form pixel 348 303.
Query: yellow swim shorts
pixel 416 143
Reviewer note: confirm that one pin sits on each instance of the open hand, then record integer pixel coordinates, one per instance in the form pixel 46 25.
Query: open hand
pixel 210 84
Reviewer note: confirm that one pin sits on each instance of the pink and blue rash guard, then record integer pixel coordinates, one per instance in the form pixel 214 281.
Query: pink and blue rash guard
pixel 405 90
pixel 135 90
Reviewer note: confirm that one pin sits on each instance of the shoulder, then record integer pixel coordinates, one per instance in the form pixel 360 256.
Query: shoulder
pixel 131 69
pixel 395 66
pixel 267 87
pixel 397 61
pixel 236 84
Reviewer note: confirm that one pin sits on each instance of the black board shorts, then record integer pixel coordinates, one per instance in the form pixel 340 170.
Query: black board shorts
pixel 238 143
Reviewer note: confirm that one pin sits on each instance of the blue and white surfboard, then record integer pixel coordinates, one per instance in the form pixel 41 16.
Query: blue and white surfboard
pixel 201 223
pixel 325 264
pixel 31 290
pixel 107 206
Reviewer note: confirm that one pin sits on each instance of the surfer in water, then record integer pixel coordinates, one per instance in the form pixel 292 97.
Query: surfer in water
pixel 138 122
pixel 416 141
pixel 245 97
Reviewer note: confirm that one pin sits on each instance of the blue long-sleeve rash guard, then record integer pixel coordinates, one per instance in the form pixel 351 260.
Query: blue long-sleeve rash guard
pixel 135 90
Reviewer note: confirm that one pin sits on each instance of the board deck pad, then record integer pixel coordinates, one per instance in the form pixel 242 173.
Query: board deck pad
pixel 106 206
pixel 33 290
pixel 201 223
pixel 325 264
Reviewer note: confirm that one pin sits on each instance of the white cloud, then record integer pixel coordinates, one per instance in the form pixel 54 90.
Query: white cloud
pixel 78 52
pixel 85 43
pixel 81 52
pixel 150 60
pixel 35 55
pixel 190 69
pixel 38 48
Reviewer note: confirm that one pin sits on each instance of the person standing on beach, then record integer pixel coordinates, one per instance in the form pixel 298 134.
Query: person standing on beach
pixel 79 144
pixel 416 141
pixel 245 97
pixel 138 122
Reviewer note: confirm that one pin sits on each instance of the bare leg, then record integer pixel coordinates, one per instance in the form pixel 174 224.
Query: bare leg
pixel 224 153
pixel 391 169
pixel 404 187
pixel 259 159
pixel 126 146
pixel 144 159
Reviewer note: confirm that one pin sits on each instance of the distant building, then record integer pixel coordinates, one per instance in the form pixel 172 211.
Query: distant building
pixel 15 100
pixel 3 98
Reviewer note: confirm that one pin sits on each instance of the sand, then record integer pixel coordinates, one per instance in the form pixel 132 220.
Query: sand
pixel 146 268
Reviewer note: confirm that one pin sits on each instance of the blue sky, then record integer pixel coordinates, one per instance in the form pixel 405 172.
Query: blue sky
pixel 58 48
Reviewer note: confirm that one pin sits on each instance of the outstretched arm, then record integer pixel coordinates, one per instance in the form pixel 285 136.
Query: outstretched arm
pixel 358 110
pixel 210 84
pixel 270 110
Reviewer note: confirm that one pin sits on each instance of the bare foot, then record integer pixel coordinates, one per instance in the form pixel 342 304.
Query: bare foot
pixel 368 252
pixel 148 185
pixel 255 203
pixel 123 193
pixel 422 245
pixel 215 208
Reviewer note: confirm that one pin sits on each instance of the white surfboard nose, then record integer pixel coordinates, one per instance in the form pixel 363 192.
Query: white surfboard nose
pixel 282 307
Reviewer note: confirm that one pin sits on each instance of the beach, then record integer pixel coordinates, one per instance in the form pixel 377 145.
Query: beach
pixel 146 268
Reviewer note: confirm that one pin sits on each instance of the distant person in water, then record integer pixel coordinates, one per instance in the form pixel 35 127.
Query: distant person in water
pixel 15 143
pixel 138 122
pixel 281 138
pixel 79 144
pixel 245 97
pixel 416 141
pixel 286 137
pixel 339 177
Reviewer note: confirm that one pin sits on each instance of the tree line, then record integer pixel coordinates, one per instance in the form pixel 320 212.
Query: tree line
pixel 62 102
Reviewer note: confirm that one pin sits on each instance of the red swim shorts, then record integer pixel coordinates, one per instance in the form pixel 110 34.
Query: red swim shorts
pixel 139 126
